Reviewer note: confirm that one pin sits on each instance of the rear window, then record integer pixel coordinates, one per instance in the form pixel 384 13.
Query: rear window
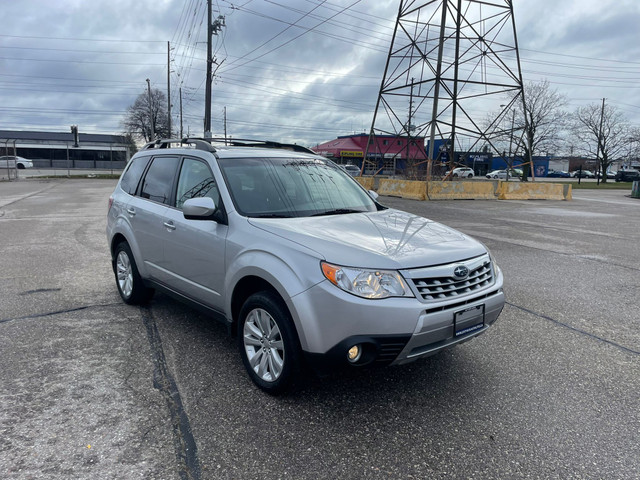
pixel 131 177
pixel 158 181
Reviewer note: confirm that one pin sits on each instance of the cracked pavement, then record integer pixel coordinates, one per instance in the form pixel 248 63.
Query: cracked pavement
pixel 93 388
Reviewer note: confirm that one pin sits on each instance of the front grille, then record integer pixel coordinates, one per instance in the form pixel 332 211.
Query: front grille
pixel 447 287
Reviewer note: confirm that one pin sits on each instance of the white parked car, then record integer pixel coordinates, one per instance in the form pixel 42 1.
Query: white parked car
pixel 462 172
pixel 352 170
pixel 500 174
pixel 11 161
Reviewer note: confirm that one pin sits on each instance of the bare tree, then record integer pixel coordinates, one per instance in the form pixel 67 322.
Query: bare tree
pixel 144 122
pixel 543 109
pixel 535 125
pixel 602 132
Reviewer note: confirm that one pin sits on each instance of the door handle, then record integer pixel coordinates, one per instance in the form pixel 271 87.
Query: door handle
pixel 170 225
pixel 131 211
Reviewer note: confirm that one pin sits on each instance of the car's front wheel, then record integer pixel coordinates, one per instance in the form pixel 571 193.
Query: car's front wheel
pixel 130 285
pixel 268 342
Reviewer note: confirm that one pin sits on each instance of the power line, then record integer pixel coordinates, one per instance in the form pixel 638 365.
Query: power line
pixel 293 39
pixel 75 39
pixel 81 61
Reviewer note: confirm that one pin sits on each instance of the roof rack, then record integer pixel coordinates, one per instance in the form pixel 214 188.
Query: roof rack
pixel 198 143
pixel 247 142
pixel 206 144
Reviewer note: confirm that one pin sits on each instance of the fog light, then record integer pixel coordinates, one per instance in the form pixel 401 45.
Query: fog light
pixel 353 355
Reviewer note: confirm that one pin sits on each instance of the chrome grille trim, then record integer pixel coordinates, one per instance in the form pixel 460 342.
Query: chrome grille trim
pixel 437 284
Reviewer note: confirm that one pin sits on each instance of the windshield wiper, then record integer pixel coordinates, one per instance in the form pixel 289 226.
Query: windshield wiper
pixel 338 211
pixel 272 215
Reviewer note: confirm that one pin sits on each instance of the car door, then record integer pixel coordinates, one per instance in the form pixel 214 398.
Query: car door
pixel 146 212
pixel 194 250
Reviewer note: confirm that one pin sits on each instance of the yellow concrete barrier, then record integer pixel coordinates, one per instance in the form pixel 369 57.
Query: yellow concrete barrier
pixel 367 182
pixel 462 190
pixel 467 190
pixel 533 191
pixel 412 189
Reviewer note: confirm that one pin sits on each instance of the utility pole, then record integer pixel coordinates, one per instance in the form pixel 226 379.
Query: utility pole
pixel 169 87
pixel 225 125
pixel 213 27
pixel 181 130
pixel 152 134
pixel 599 145
pixel 207 94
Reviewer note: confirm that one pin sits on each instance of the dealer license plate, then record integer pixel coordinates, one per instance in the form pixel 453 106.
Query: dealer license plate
pixel 468 320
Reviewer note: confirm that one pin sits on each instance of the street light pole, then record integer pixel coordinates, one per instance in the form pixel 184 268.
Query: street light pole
pixel 513 122
pixel 599 149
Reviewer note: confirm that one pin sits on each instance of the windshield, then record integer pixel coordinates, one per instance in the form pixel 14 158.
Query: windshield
pixel 292 187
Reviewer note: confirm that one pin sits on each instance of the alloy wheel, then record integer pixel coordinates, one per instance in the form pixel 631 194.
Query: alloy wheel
pixel 125 274
pixel 263 345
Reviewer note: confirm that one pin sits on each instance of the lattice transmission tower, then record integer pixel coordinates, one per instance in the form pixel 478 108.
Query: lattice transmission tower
pixel 450 63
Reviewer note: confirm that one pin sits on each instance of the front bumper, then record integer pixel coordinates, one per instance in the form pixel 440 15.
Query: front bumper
pixel 391 331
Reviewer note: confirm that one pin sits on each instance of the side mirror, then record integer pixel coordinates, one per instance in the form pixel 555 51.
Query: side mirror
pixel 373 194
pixel 201 208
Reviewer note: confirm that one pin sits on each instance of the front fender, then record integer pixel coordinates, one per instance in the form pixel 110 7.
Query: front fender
pixel 277 271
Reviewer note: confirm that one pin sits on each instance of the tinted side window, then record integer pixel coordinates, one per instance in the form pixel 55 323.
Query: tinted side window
pixel 131 177
pixel 158 181
pixel 196 180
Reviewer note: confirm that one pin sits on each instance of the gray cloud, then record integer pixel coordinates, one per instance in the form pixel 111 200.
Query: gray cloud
pixel 78 62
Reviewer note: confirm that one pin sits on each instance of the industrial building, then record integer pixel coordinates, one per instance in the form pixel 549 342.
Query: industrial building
pixel 67 150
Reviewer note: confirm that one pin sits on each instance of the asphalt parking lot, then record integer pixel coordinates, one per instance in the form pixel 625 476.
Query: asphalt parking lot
pixel 93 388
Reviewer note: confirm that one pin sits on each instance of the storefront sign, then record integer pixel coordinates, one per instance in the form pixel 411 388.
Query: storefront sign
pixel 350 153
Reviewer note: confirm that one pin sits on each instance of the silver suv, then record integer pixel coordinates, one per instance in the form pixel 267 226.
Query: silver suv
pixel 295 257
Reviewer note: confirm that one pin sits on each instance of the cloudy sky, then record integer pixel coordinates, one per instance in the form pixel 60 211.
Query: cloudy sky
pixel 301 71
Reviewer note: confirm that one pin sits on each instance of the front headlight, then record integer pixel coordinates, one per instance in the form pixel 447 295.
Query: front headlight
pixel 496 268
pixel 367 283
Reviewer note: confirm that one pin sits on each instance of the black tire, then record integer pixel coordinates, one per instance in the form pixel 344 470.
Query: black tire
pixel 455 175
pixel 130 285
pixel 268 342
pixel 20 166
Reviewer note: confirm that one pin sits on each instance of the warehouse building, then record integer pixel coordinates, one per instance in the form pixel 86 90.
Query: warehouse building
pixel 67 150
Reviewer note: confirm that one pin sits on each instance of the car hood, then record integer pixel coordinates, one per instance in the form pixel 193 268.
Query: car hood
pixel 389 239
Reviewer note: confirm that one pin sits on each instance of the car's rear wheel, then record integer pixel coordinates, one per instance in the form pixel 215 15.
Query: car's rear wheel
pixel 130 285
pixel 268 342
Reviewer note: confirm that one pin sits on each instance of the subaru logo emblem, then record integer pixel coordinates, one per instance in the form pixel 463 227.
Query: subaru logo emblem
pixel 461 271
